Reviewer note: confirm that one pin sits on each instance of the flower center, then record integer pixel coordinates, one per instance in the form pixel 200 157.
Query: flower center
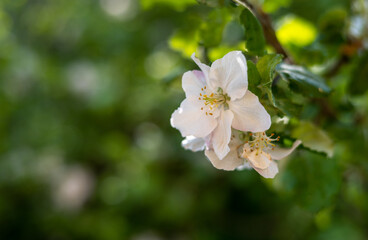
pixel 261 141
pixel 213 100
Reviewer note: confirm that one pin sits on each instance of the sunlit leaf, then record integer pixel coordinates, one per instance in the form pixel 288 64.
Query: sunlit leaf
pixel 273 5
pixel 296 31
pixel 177 5
pixel 185 42
pixel 221 50
pixel 314 138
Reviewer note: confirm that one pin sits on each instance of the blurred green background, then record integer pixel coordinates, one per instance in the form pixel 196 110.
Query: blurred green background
pixel 87 89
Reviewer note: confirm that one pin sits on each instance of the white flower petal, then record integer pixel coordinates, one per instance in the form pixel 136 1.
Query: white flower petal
pixel 205 69
pixel 280 153
pixel 222 134
pixel 193 143
pixel 269 172
pixel 230 73
pixel 228 163
pixel 232 160
pixel 259 160
pixel 249 114
pixel 190 120
pixel 193 82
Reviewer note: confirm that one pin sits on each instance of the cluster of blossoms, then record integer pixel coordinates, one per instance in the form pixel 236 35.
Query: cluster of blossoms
pixel 218 110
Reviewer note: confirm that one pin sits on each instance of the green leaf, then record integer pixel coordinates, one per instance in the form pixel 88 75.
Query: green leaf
pixel 358 84
pixel 184 42
pixel 254 79
pixel 266 67
pixel 312 180
pixel 307 82
pixel 313 137
pixel 254 38
pixel 177 5
pixel 288 108
pixel 330 25
pixel 212 29
pixel 211 3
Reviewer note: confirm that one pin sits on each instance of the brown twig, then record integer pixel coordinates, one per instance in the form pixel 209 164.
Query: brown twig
pixel 347 51
pixel 267 27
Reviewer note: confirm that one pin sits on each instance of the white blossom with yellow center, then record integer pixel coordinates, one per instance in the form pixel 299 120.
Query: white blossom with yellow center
pixel 258 154
pixel 218 99
pixel 259 150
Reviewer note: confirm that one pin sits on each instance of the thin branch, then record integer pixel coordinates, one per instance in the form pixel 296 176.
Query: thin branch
pixel 347 51
pixel 268 30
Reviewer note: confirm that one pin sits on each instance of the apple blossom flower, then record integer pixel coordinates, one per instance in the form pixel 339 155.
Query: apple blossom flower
pixel 258 154
pixel 217 98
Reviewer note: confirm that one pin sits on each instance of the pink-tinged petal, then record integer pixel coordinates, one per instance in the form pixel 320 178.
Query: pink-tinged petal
pixel 222 134
pixel 194 144
pixel 230 73
pixel 261 160
pixel 249 114
pixel 193 83
pixel 269 172
pixel 190 120
pixel 280 153
pixel 205 69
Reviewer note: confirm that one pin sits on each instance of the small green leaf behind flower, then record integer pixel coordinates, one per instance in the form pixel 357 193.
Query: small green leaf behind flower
pixel 254 79
pixel 254 38
pixel 266 67
pixel 303 80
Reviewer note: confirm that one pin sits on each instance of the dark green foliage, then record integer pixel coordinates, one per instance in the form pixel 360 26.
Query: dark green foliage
pixel 254 38
pixel 212 28
pixel 359 76
pixel 306 82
